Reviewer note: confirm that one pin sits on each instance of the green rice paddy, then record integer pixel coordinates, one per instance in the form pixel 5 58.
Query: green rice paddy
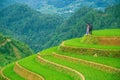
pixel 48 73
pixel 103 60
pixel 107 32
pixel 9 72
pixel 89 72
pixel 77 43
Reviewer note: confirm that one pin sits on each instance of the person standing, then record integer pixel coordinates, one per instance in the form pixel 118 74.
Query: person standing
pixel 89 29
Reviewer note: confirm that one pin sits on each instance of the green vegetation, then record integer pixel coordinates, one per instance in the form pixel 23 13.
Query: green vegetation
pixel 77 43
pixel 107 32
pixel 103 60
pixel 9 72
pixel 41 31
pixel 59 6
pixel 48 73
pixel 28 25
pixel 31 26
pixel 75 26
pixel 2 39
pixel 92 41
pixel 1 78
pixel 12 50
pixel 88 72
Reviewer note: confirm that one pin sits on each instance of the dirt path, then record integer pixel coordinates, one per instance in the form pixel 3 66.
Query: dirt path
pixel 89 63
pixel 29 75
pixel 61 67
pixel 1 73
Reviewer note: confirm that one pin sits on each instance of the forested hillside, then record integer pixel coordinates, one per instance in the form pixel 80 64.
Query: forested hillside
pixel 28 25
pixel 75 26
pixel 12 50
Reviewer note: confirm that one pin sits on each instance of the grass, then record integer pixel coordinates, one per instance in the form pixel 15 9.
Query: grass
pixel 103 60
pixel 92 42
pixel 114 62
pixel 1 78
pixel 77 43
pixel 89 72
pixel 107 32
pixel 9 72
pixel 49 50
pixel 48 73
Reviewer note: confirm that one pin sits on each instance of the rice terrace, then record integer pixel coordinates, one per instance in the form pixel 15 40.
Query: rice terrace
pixel 91 57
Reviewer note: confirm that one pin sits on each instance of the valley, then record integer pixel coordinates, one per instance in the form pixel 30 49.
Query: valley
pixel 52 40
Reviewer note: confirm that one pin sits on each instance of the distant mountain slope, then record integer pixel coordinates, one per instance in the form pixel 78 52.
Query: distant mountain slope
pixel 28 25
pixel 5 3
pixel 12 50
pixel 75 26
pixel 61 6
pixel 41 30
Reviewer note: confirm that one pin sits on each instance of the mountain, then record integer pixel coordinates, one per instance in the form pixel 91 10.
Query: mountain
pixel 12 50
pixel 74 59
pixel 41 31
pixel 28 25
pixel 61 7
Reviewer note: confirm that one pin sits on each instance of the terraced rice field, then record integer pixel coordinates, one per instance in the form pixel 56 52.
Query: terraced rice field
pixel 90 41
pixel 77 43
pixel 59 64
pixel 9 72
pixel 44 70
pixel 107 32
pixel 114 62
pixel 88 72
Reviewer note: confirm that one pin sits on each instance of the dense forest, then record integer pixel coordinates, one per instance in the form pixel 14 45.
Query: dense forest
pixel 41 31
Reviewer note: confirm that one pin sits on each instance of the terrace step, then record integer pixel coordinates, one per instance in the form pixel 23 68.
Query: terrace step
pixel 89 63
pixel 62 68
pixel 90 51
pixel 26 73
pixel 3 76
